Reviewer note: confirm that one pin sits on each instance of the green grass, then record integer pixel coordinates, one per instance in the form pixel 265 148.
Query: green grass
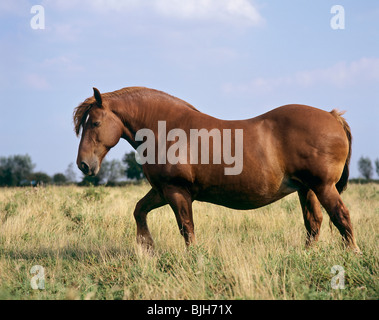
pixel 84 238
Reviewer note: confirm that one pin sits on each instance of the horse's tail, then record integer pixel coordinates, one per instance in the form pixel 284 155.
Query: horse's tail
pixel 342 183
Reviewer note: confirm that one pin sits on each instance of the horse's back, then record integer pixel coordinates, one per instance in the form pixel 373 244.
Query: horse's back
pixel 283 149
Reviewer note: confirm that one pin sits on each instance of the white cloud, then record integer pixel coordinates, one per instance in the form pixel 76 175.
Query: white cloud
pixel 340 75
pixel 234 12
pixel 240 12
pixel 20 7
pixel 44 75
pixel 65 31
pixel 61 64
pixel 97 5
pixel 36 81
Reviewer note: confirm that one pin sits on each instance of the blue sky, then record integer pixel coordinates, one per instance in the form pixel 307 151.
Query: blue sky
pixel 232 59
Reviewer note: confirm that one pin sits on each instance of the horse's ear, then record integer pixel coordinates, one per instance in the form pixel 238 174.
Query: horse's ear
pixel 97 95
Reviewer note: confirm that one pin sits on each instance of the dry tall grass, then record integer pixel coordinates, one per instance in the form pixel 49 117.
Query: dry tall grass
pixel 85 240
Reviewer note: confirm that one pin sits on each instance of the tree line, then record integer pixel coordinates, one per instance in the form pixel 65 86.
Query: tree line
pixel 18 170
pixel 366 168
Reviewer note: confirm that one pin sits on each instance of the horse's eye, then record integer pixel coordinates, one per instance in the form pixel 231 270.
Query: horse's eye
pixel 96 124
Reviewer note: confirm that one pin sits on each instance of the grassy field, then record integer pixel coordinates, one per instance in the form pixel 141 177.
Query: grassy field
pixel 84 238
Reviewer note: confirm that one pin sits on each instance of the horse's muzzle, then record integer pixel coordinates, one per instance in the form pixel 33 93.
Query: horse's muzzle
pixel 90 167
pixel 84 168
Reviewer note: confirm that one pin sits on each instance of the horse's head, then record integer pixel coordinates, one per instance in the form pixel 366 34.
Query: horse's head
pixel 101 131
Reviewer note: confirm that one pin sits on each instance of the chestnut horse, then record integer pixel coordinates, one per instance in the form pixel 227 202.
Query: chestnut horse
pixel 293 148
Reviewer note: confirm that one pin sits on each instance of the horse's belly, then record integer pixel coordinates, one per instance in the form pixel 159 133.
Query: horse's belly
pixel 242 199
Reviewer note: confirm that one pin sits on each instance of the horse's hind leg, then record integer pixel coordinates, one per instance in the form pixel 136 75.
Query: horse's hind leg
pixel 312 214
pixel 181 203
pixel 338 212
pixel 150 201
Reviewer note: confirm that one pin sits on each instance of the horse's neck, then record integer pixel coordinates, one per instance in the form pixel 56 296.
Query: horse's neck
pixel 137 114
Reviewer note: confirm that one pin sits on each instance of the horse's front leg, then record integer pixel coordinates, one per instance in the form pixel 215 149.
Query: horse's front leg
pixel 180 201
pixel 150 201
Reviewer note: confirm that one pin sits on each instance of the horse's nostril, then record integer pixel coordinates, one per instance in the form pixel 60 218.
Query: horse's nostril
pixel 84 167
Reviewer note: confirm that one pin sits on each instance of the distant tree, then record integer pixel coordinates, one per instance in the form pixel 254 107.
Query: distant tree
pixel 377 166
pixel 59 179
pixel 89 180
pixel 365 167
pixel 70 173
pixel 38 178
pixel 113 171
pixel 133 168
pixel 14 170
